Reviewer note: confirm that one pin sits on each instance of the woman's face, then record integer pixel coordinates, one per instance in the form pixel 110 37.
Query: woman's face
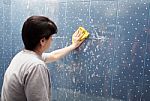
pixel 48 43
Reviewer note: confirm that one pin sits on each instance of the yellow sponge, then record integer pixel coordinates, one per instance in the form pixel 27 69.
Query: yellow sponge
pixel 85 34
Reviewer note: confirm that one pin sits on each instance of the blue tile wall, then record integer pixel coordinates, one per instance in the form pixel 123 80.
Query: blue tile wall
pixel 113 64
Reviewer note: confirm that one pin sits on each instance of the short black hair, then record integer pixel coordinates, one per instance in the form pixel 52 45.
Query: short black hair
pixel 35 28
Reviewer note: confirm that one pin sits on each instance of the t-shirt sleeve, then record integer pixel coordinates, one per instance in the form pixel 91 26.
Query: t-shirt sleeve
pixel 45 57
pixel 37 84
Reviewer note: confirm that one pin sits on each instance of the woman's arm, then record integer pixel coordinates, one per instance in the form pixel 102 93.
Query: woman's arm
pixel 58 54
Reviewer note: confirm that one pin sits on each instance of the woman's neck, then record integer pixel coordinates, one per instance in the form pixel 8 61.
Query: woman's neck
pixel 38 51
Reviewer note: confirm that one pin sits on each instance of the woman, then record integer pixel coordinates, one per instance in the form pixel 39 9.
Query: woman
pixel 27 77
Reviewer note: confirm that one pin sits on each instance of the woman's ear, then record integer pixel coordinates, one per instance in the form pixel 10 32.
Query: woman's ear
pixel 43 42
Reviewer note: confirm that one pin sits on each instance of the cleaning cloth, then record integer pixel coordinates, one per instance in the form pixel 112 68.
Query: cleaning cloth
pixel 85 34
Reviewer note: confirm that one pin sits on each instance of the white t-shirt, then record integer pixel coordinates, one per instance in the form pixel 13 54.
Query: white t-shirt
pixel 27 78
